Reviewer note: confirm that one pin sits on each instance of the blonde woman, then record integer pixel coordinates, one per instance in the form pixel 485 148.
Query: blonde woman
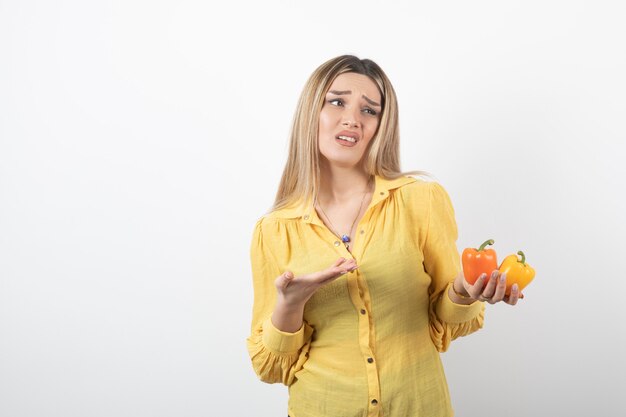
pixel 357 278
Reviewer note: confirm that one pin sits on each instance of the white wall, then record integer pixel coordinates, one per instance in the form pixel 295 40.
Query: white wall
pixel 141 140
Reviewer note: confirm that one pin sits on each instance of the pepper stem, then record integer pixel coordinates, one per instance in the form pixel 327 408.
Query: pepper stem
pixel 523 261
pixel 487 242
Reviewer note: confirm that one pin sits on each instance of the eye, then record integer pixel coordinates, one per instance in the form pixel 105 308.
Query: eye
pixel 370 111
pixel 336 100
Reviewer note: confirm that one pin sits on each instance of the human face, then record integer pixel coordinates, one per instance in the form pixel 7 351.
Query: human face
pixel 349 119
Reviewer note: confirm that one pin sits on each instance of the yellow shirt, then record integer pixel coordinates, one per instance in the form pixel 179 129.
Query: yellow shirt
pixel 370 342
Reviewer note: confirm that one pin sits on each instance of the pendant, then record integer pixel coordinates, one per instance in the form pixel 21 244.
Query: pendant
pixel 345 238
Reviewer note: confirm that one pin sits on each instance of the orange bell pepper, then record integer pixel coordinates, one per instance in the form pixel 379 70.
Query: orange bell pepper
pixel 517 272
pixel 479 261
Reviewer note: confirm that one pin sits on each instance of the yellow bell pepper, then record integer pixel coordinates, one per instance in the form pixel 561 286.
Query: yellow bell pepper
pixel 517 271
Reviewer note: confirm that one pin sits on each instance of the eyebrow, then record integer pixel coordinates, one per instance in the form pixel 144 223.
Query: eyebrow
pixel 342 92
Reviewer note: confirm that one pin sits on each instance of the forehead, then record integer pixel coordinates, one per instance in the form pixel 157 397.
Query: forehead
pixel 359 83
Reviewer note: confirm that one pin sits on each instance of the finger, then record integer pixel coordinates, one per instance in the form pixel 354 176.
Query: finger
pixel 490 288
pixel 348 266
pixel 352 266
pixel 334 272
pixel 500 289
pixel 338 262
pixel 514 296
pixel 338 266
pixel 475 290
pixel 283 280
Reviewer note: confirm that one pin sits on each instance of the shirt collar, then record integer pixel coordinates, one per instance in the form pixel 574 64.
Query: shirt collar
pixel 308 214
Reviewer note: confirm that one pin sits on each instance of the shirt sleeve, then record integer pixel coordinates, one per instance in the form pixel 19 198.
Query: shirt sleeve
pixel 276 355
pixel 448 320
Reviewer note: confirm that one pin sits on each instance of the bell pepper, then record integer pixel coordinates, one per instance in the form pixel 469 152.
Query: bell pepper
pixel 517 271
pixel 479 261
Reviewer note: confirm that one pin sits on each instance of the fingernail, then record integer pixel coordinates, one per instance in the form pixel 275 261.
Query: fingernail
pixel 503 278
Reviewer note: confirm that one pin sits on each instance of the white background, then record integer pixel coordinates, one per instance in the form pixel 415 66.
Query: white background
pixel 141 140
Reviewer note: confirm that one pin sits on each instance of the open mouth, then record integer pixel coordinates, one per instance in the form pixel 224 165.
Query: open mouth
pixel 347 138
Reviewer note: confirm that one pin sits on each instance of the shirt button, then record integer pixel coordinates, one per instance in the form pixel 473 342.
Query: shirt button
pixel 370 360
pixel 337 243
pixel 362 231
pixel 363 311
pixel 306 217
pixel 374 401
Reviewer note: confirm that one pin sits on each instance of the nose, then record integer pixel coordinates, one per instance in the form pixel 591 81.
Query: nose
pixel 350 118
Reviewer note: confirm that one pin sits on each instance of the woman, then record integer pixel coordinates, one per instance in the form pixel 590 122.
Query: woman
pixel 357 279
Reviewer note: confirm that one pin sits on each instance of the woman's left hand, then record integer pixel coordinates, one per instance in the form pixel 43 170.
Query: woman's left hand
pixel 494 291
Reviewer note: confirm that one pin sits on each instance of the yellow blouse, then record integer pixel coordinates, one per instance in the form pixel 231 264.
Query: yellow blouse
pixel 370 339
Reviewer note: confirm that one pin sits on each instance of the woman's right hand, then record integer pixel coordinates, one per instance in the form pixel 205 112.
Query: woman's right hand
pixel 294 292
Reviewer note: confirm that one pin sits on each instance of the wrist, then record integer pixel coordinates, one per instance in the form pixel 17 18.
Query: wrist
pixel 459 297
pixel 460 292
pixel 287 318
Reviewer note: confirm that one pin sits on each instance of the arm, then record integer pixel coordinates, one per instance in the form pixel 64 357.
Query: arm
pixel 450 316
pixel 279 338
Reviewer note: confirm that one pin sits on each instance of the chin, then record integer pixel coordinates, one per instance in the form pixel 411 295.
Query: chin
pixel 341 162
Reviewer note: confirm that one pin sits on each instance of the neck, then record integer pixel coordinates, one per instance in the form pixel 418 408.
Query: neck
pixel 339 185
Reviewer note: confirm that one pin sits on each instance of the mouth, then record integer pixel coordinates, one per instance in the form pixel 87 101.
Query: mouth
pixel 348 137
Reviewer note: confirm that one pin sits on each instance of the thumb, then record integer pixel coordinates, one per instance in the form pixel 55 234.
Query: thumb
pixel 283 280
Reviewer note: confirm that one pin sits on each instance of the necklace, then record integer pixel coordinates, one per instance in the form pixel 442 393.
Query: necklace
pixel 345 238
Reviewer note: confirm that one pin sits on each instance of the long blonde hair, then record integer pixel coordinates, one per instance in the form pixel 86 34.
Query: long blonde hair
pixel 300 179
